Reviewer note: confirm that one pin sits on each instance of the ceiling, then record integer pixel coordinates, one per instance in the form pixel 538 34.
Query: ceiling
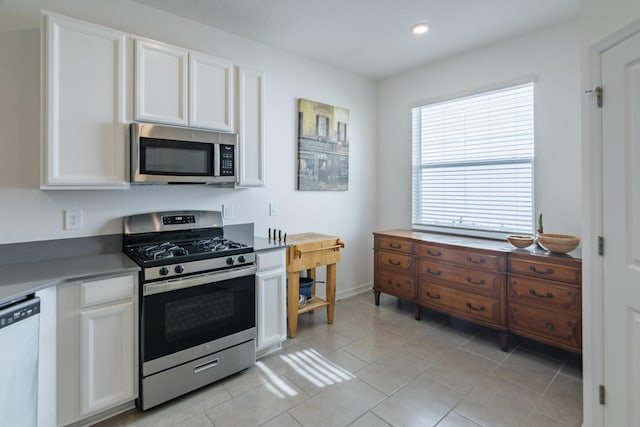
pixel 372 37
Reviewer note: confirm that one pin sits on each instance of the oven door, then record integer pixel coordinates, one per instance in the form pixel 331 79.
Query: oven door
pixel 187 318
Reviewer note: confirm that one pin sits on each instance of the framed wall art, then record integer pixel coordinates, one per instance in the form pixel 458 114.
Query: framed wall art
pixel 323 147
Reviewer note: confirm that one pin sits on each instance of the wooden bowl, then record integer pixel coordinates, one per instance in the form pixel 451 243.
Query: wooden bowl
pixel 520 241
pixel 558 243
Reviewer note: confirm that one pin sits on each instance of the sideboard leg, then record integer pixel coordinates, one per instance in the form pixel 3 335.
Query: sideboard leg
pixel 376 295
pixel 417 312
pixel 504 341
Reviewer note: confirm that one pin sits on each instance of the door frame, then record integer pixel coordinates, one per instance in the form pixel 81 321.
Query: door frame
pixel 592 220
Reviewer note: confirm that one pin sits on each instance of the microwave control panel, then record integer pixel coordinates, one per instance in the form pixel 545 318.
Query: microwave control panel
pixel 227 153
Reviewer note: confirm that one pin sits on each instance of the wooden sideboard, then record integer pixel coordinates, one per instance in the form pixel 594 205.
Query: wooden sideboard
pixel 527 292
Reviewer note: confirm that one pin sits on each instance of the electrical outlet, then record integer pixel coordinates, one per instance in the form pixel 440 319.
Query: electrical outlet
pixel 227 211
pixel 73 219
pixel 274 208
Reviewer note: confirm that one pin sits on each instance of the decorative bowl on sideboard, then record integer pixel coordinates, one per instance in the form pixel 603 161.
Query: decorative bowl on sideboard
pixel 558 243
pixel 520 241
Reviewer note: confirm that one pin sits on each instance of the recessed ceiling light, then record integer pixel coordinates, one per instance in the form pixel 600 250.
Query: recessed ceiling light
pixel 420 28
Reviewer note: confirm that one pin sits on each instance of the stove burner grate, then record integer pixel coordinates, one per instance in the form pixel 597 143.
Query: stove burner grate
pixel 163 250
pixel 217 244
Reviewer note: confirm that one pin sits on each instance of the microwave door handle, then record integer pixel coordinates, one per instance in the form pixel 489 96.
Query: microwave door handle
pixel 216 159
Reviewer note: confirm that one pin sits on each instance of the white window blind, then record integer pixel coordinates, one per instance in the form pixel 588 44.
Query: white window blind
pixel 473 163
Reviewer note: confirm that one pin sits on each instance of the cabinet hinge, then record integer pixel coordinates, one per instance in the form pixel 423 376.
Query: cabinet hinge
pixel 601 394
pixel 598 92
pixel 600 245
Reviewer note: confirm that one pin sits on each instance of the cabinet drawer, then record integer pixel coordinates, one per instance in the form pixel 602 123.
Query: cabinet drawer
pixel 270 259
pixel 459 302
pixel 400 285
pixel 546 270
pixel 463 257
pixel 394 244
pixel 393 260
pixel 464 278
pixel 107 290
pixel 544 325
pixel 544 294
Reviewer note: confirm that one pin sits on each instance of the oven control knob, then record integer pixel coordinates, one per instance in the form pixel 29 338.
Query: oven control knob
pixel 164 271
pixel 230 261
pixel 179 269
pixel 241 259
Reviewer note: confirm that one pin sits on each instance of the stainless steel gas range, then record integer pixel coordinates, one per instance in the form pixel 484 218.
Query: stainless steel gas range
pixel 197 302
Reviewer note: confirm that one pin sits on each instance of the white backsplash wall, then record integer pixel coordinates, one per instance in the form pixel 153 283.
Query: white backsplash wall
pixel 29 214
pixel 553 56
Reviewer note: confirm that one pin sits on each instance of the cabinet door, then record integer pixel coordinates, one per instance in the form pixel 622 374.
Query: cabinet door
pixel 271 319
pixel 211 93
pixel 160 83
pixel 84 105
pixel 107 341
pixel 251 127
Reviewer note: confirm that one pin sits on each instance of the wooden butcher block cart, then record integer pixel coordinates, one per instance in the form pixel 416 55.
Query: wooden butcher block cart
pixel 307 251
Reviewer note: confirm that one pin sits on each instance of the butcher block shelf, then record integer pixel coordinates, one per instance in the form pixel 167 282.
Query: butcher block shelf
pixel 306 252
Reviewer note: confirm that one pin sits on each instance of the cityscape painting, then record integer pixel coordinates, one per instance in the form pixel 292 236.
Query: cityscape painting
pixel 323 147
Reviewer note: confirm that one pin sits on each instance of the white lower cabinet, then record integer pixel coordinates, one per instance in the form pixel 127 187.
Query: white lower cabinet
pixel 97 346
pixel 271 307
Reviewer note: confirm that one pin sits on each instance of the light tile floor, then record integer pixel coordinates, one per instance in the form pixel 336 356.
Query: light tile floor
pixel 377 366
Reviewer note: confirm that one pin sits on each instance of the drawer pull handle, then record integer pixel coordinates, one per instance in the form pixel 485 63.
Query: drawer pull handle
pixel 395 245
pixel 533 268
pixel 434 253
pixel 470 307
pixel 435 273
pixel 437 296
pixel 535 294
pixel 550 326
pixel 479 282
pixel 396 263
pixel 472 261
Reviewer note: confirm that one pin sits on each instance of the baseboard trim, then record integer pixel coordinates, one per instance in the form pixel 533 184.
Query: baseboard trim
pixel 346 293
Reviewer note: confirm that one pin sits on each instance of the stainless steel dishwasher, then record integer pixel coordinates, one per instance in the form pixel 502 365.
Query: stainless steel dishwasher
pixel 19 341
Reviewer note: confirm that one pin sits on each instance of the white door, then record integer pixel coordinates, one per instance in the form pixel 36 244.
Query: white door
pixel 271 320
pixel 211 93
pixel 621 198
pixel 160 82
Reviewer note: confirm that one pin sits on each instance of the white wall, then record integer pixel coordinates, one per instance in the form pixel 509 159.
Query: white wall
pixel 553 56
pixel 27 213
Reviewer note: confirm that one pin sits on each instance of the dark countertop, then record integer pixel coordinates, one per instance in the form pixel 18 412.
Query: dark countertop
pixel 263 244
pixel 22 278
pixel 475 242
pixel 17 280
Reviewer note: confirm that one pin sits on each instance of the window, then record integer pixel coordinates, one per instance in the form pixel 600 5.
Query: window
pixel 473 163
pixel 322 126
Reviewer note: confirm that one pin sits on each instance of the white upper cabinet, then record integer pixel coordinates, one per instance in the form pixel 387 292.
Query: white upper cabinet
pixel 84 105
pixel 251 127
pixel 160 83
pixel 180 87
pixel 211 93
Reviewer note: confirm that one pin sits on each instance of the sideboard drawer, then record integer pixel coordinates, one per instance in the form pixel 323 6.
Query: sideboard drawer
pixel 464 303
pixel 463 257
pixel 398 245
pixel 564 329
pixel 400 285
pixel 394 260
pixel 545 270
pixel 481 281
pixel 544 294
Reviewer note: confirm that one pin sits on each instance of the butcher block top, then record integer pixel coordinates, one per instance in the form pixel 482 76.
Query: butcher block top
pixel 310 250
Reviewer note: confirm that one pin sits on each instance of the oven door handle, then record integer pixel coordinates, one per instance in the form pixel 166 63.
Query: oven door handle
pixel 197 280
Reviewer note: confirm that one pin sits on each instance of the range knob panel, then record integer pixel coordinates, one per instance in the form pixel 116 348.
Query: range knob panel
pixel 230 261
pixel 179 268
pixel 164 271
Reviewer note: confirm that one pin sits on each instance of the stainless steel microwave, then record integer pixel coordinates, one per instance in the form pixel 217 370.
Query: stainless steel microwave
pixel 173 155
